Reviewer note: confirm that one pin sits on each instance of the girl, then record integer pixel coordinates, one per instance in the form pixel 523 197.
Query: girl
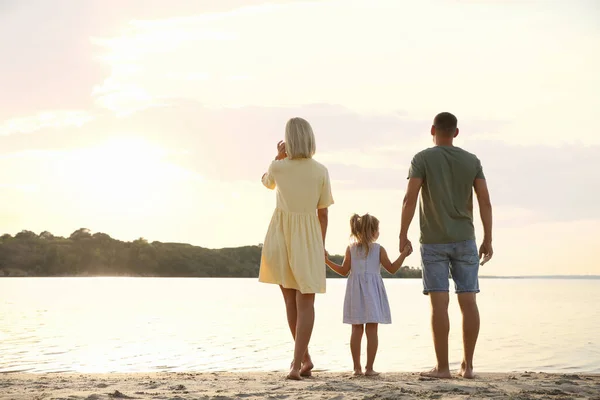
pixel 366 301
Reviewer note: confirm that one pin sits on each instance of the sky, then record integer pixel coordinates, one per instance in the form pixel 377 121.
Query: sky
pixel 156 119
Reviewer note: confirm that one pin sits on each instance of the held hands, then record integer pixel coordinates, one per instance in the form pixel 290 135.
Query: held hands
pixel 486 251
pixel 407 251
pixel 405 247
pixel 281 153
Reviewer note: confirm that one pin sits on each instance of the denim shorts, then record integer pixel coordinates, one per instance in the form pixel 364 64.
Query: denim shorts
pixel 461 259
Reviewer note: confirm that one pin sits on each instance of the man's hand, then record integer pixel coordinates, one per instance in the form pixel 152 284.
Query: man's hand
pixel 407 250
pixel 403 243
pixel 409 205
pixel 486 251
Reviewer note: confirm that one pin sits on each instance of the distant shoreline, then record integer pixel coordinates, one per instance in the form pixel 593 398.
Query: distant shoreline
pixel 542 277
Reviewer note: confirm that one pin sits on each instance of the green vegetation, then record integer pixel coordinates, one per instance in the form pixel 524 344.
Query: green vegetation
pixel 87 254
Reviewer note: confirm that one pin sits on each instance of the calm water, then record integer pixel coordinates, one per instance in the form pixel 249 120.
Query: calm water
pixel 143 324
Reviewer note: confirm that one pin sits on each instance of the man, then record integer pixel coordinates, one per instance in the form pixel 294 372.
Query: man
pixel 446 175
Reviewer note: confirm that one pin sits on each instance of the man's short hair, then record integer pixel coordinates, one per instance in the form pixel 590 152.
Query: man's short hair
pixel 446 123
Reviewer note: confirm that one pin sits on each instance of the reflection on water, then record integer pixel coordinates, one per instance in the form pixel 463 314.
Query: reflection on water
pixel 151 324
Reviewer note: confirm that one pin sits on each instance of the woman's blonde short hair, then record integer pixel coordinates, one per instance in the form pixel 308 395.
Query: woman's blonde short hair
pixel 299 139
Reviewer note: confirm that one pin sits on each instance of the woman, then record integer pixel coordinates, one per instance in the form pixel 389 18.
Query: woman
pixel 293 254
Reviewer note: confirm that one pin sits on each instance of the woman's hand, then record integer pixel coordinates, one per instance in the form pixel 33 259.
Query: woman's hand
pixel 281 154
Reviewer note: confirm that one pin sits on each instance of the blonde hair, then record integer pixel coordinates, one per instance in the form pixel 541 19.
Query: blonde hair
pixel 364 230
pixel 299 139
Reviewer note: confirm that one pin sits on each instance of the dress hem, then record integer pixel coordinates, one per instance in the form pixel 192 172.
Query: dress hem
pixel 369 322
pixel 294 288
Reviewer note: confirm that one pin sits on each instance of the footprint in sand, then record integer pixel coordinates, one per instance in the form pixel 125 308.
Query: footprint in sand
pixel 118 395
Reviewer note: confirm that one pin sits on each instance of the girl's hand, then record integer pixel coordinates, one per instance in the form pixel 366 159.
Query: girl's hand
pixel 281 154
pixel 407 251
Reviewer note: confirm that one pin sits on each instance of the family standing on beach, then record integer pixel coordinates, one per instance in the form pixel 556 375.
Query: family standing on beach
pixel 294 255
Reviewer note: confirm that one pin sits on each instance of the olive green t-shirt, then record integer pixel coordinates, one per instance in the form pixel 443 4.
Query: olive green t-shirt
pixel 446 206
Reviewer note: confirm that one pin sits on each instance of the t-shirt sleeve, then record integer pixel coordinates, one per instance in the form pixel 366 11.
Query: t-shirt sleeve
pixel 325 198
pixel 417 168
pixel 268 179
pixel 479 174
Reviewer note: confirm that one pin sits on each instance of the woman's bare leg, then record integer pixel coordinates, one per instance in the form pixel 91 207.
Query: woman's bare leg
pixel 372 344
pixel 304 326
pixel 289 296
pixel 355 340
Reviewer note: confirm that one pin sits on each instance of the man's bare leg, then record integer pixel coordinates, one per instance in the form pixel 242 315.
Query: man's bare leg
pixel 440 326
pixel 355 342
pixel 289 296
pixel 470 326
pixel 372 344
pixel 304 327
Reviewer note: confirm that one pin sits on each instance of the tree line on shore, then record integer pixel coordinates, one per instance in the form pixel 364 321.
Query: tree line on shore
pixel 84 253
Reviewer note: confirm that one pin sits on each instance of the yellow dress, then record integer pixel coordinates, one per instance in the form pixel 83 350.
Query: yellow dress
pixel 293 253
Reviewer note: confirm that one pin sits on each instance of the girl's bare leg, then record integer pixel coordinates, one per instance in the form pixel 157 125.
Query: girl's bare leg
pixel 289 296
pixel 372 344
pixel 355 340
pixel 304 326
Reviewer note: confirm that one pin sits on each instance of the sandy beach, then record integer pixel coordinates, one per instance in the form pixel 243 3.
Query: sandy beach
pixel 338 386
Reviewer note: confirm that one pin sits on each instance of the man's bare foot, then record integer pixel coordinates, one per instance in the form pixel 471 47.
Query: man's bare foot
pixel 435 373
pixel 358 372
pixel 306 369
pixel 370 372
pixel 294 375
pixel 466 373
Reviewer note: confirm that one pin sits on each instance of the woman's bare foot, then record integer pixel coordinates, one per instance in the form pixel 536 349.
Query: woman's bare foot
pixel 370 372
pixel 294 375
pixel 306 369
pixel 465 372
pixel 358 372
pixel 435 373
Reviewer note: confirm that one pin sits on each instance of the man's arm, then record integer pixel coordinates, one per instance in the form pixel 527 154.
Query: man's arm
pixel 409 206
pixel 485 207
pixel 485 211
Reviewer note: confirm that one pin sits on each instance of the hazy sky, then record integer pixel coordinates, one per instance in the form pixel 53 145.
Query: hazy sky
pixel 157 118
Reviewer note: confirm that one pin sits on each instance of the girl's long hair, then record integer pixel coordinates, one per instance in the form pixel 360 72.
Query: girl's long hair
pixel 364 230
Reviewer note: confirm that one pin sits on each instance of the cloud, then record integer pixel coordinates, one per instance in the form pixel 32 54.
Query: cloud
pixel 51 65
pixel 54 64
pixel 369 69
pixel 24 187
pixel 361 151
pixel 49 119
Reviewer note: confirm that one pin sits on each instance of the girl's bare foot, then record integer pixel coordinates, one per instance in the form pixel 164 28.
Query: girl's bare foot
pixel 435 373
pixel 306 369
pixel 371 372
pixel 358 372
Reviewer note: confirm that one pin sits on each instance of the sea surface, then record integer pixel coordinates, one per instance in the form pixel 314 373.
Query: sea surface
pixel 188 324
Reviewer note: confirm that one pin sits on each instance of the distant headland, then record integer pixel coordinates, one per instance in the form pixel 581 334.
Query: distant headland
pixel 84 253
